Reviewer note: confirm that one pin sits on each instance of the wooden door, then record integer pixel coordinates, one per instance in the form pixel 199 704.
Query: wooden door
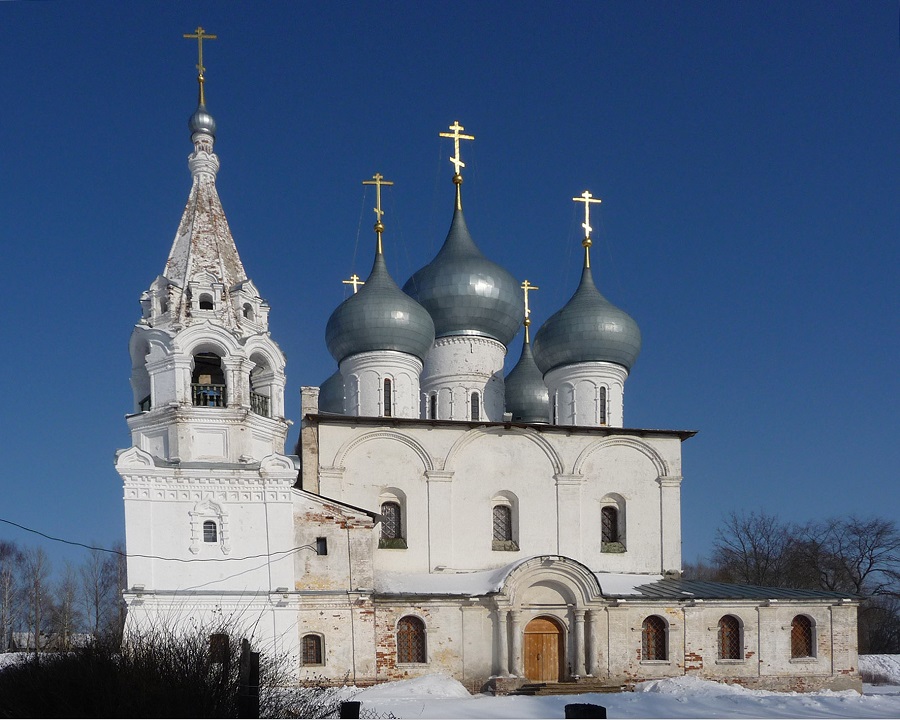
pixel 543 650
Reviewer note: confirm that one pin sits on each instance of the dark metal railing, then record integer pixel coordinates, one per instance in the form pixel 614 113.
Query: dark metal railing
pixel 208 395
pixel 259 404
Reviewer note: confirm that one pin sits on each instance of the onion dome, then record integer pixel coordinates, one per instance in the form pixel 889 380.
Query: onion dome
pixel 379 317
pixel 527 398
pixel 589 328
pixel 202 121
pixel 331 394
pixel 464 292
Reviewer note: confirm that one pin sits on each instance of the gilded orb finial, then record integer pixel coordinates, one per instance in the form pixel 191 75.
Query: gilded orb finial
pixel 378 180
pixel 200 35
pixel 587 199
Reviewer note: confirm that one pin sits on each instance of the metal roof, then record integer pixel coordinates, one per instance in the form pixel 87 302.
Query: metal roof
pixel 678 589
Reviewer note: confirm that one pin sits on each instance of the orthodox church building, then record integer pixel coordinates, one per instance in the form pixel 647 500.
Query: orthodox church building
pixel 437 516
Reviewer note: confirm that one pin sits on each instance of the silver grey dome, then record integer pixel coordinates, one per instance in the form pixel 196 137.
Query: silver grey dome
pixel 331 394
pixel 589 328
pixel 379 317
pixel 464 292
pixel 527 398
pixel 202 121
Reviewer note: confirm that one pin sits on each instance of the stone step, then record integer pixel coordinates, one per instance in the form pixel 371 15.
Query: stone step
pixel 568 688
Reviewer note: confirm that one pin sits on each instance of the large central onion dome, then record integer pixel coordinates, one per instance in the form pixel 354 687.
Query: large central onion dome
pixel 464 292
pixel 379 317
pixel 589 328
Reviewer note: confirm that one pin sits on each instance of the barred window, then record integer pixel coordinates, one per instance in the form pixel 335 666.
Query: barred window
pixel 433 402
pixel 503 522
pixel 602 403
pixel 410 640
pixel 609 521
pixel 653 639
pixel 801 637
pixel 210 532
pixel 729 638
pixel 387 398
pixel 476 409
pixel 391 528
pixel 312 650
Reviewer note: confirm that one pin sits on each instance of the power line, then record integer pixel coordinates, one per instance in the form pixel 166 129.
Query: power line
pixel 155 557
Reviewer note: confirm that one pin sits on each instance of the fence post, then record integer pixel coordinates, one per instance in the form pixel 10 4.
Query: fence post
pixel 585 710
pixel 248 690
pixel 350 709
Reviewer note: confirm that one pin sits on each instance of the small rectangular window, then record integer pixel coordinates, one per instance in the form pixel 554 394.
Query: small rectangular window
pixel 321 546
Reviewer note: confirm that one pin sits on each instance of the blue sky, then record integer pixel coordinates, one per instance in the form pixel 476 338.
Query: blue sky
pixel 747 155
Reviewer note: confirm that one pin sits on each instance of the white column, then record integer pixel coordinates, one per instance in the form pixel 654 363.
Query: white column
pixel 568 508
pixel 670 522
pixel 440 519
pixel 502 644
pixel 578 638
pixel 590 641
pixel 518 666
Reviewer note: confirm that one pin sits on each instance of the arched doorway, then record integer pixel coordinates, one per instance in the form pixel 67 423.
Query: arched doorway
pixel 543 650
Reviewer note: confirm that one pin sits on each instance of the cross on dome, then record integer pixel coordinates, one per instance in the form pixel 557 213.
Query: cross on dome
pixel 526 288
pixel 355 281
pixel 378 180
pixel 200 35
pixel 457 136
pixel 587 199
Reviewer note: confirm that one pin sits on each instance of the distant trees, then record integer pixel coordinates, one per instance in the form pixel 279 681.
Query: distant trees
pixel 859 556
pixel 82 599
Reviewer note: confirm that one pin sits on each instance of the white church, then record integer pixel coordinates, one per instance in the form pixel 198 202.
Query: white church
pixel 437 516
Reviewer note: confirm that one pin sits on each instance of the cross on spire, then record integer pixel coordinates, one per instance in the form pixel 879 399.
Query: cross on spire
pixel 526 288
pixel 355 282
pixel 455 160
pixel 378 180
pixel 200 35
pixel 587 199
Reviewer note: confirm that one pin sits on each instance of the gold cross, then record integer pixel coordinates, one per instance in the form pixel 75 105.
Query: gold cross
pixel 378 180
pixel 355 282
pixel 587 199
pixel 457 136
pixel 527 286
pixel 200 35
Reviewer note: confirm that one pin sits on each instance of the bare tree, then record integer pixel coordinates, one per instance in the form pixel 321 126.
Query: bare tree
pixel 11 562
pixel 753 549
pixel 37 574
pixel 65 616
pixel 98 590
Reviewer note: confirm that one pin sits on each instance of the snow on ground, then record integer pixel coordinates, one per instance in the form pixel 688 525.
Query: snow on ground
pixel 886 668
pixel 439 696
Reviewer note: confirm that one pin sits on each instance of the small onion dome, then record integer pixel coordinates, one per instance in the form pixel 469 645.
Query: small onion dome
pixel 379 317
pixel 527 397
pixel 589 328
pixel 465 293
pixel 202 121
pixel 331 394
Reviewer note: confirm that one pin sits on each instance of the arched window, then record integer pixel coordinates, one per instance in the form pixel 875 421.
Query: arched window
pixel 387 397
pixel 802 637
pixel 208 381
pixel 729 638
pixel 391 526
pixel 411 640
pixel 210 532
pixel 609 524
pixel 206 302
pixel 602 402
pixel 248 311
pixel 653 639
pixel 312 650
pixel 476 409
pixel 433 406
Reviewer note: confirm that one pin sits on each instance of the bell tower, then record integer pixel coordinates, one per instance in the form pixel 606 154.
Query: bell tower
pixel 207 486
